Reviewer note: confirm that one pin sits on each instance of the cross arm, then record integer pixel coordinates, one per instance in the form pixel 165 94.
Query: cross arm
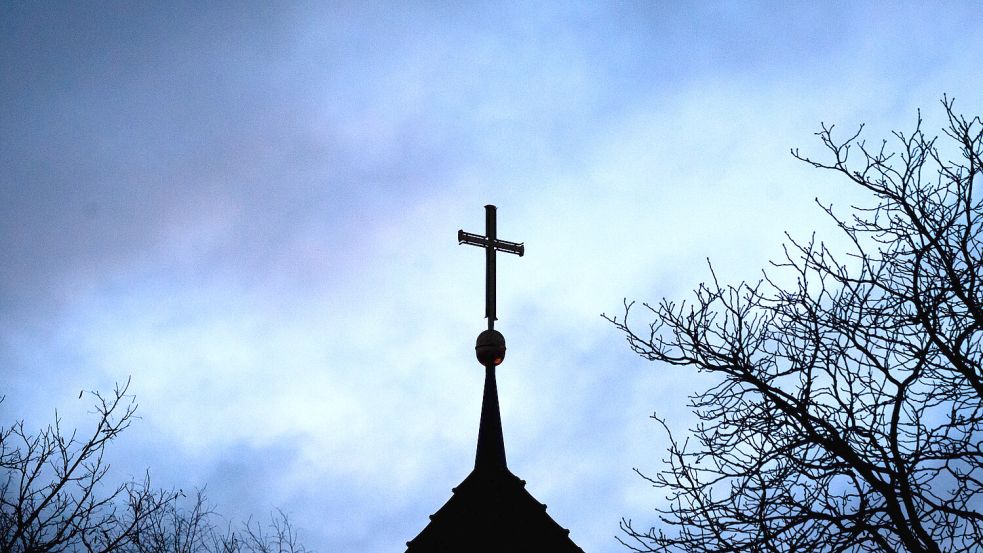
pixel 482 241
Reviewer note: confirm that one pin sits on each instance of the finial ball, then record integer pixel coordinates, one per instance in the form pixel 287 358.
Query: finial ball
pixel 490 348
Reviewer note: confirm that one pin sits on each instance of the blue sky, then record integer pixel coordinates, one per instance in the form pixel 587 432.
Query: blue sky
pixel 252 210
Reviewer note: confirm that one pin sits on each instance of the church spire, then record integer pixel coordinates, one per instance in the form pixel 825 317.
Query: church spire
pixel 491 511
pixel 490 347
pixel 490 454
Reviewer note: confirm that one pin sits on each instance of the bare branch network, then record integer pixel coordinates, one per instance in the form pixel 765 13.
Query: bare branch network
pixel 55 496
pixel 848 414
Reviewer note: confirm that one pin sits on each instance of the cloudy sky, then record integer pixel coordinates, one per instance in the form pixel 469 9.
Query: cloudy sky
pixel 252 211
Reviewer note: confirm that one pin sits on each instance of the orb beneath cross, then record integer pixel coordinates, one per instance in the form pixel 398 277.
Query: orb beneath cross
pixel 490 347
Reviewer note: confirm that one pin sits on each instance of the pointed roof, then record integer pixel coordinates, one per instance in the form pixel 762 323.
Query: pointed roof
pixel 491 511
pixel 490 453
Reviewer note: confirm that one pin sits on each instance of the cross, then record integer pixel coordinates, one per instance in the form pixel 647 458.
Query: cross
pixel 491 243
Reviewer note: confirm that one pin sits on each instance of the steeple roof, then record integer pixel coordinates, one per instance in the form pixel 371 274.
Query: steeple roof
pixel 491 510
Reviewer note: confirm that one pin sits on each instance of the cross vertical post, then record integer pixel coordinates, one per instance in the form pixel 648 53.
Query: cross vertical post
pixel 491 243
pixel 490 234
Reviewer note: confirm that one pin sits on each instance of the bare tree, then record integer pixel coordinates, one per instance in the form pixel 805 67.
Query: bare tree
pixel 196 528
pixel 277 536
pixel 176 529
pixel 847 413
pixel 55 496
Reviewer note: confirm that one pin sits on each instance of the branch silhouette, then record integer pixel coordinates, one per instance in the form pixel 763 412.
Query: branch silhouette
pixel 847 414
pixel 56 495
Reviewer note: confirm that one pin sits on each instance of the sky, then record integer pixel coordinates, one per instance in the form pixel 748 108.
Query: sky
pixel 251 211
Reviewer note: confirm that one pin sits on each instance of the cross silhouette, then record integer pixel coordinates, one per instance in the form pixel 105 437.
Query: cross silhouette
pixel 491 243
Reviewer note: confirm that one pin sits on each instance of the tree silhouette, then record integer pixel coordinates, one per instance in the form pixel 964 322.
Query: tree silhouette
pixel 55 496
pixel 189 525
pixel 847 412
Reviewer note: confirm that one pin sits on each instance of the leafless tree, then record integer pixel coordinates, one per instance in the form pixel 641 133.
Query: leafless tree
pixel 277 536
pixel 196 528
pixel 55 496
pixel 847 412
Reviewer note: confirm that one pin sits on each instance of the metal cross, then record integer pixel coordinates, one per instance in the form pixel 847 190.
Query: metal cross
pixel 491 243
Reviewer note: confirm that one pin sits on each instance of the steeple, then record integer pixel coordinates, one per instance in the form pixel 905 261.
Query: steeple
pixel 490 454
pixel 491 511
